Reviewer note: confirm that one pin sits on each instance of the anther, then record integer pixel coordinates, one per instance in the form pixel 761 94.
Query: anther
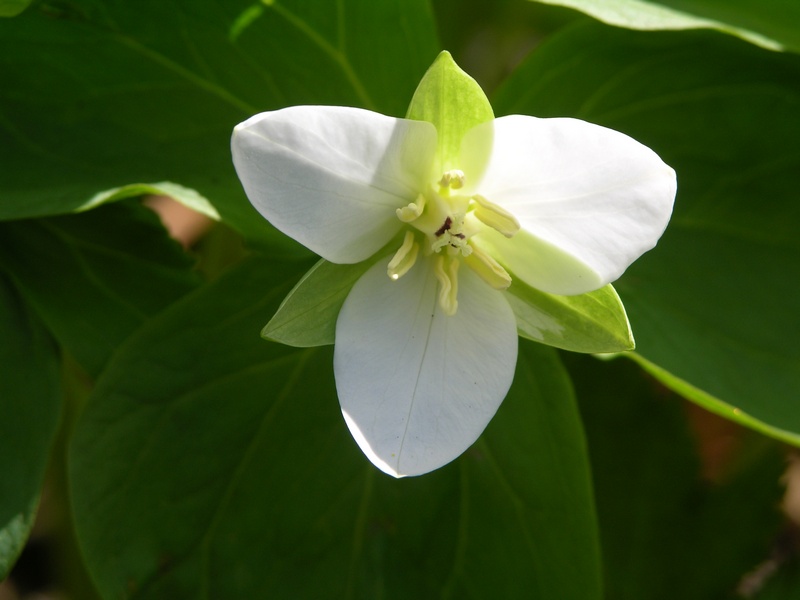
pixel 495 216
pixel 404 258
pixel 412 211
pixel 453 179
pixel 488 268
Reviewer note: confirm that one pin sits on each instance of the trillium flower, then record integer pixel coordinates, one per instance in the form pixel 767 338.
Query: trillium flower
pixel 426 342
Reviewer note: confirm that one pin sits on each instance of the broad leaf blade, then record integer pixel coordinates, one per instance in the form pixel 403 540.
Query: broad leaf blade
pixel 96 277
pixel 530 475
pixel 103 94
pixel 188 197
pixel 712 303
pixel 30 405
pixel 667 531
pixel 212 463
pixel 771 24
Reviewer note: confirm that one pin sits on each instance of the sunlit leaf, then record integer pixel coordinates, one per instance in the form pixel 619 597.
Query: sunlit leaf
pixel 771 24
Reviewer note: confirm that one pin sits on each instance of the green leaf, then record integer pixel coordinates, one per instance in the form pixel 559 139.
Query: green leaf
pixel 529 482
pixel 771 24
pixel 102 94
pixel 30 405
pixel 593 322
pixel 11 8
pixel 96 277
pixel 188 197
pixel 455 103
pixel 307 316
pixel 210 463
pixel 716 405
pixel 667 531
pixel 711 305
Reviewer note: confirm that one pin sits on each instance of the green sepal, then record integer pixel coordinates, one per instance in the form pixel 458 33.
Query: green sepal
pixel 307 316
pixel 593 323
pixel 455 103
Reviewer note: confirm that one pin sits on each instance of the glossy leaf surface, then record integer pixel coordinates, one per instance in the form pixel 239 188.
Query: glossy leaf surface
pixel 152 92
pixel 95 277
pixel 215 463
pixel 709 304
pixel 771 24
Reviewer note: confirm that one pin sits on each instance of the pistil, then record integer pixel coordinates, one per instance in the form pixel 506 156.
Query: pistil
pixel 447 221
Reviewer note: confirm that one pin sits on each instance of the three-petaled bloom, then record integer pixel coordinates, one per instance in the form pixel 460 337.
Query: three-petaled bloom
pixel 426 342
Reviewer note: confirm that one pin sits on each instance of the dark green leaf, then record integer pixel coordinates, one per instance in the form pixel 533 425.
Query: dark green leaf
pixel 528 500
pixel 99 94
pixel 667 533
pixel 210 463
pixel 714 305
pixel 95 277
pixel 30 405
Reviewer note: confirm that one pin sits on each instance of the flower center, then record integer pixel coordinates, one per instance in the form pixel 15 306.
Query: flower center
pixel 442 224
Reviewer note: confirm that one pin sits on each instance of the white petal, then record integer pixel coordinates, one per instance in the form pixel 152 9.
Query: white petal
pixel 417 387
pixel 592 193
pixel 331 177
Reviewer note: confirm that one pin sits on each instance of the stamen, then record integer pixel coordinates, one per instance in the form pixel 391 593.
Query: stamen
pixel 412 211
pixel 404 258
pixel 453 179
pixel 446 271
pixel 488 268
pixel 495 216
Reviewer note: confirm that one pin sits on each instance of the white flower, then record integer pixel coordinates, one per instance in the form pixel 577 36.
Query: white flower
pixel 426 343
